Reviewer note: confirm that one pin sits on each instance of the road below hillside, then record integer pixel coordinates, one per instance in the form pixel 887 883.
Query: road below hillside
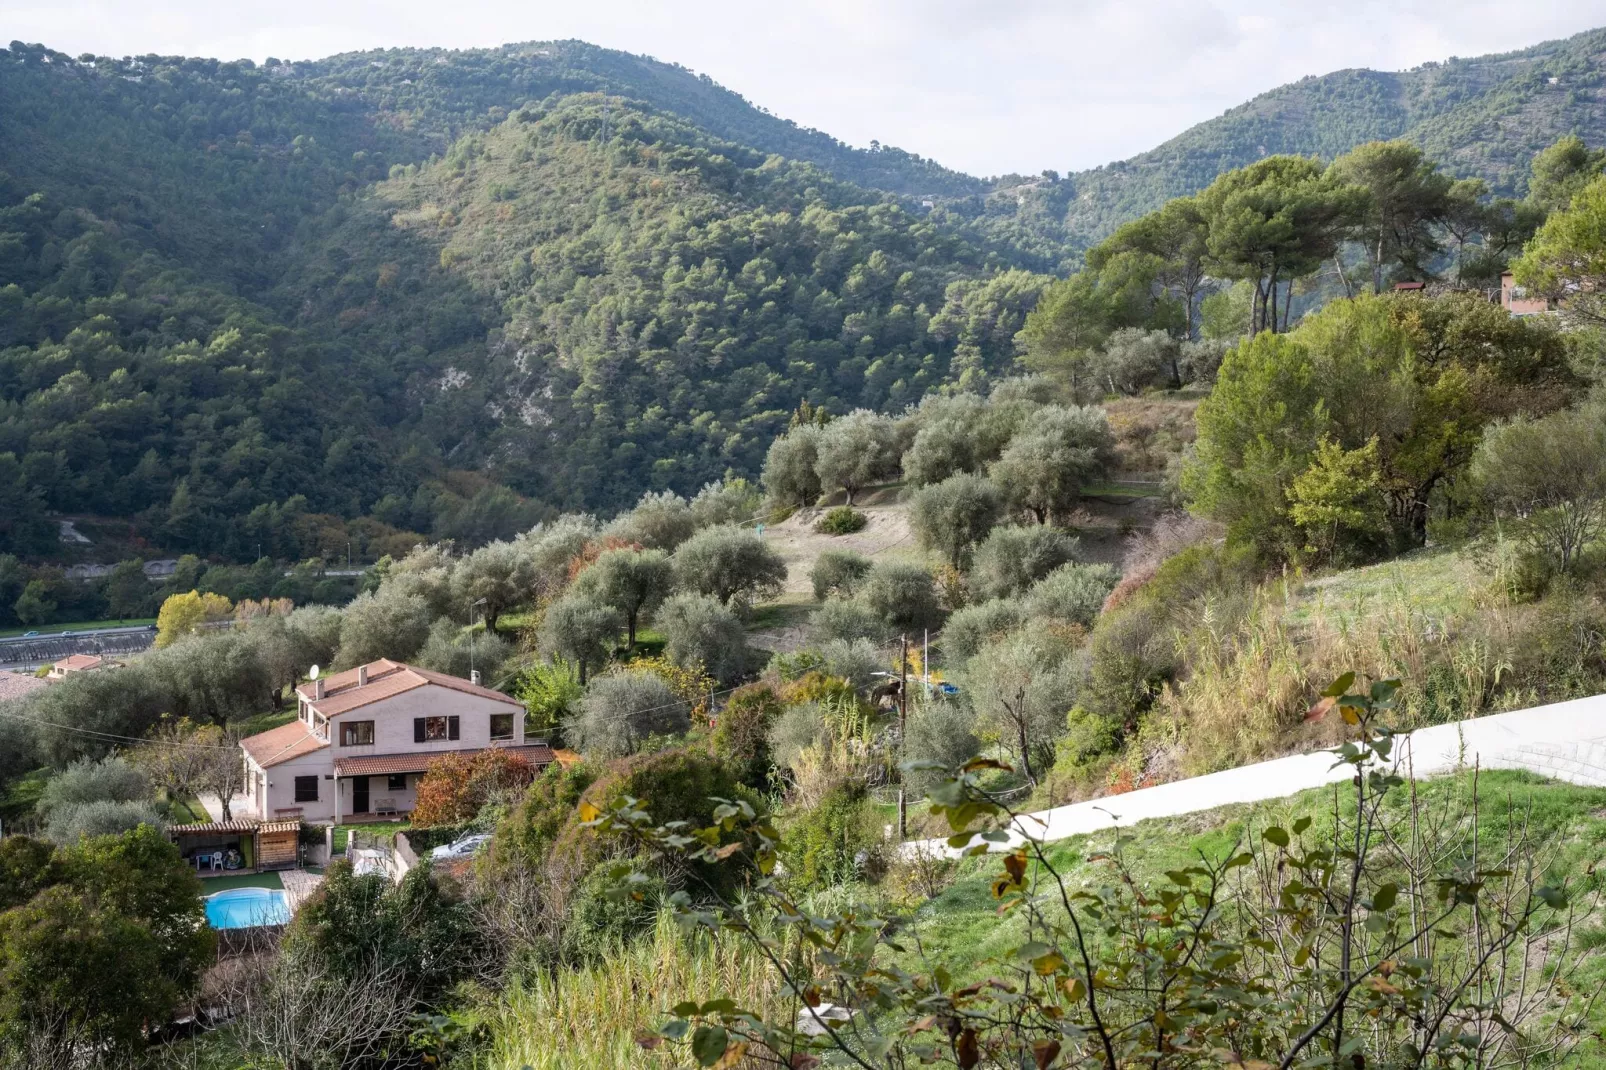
pixel 30 652
pixel 1565 741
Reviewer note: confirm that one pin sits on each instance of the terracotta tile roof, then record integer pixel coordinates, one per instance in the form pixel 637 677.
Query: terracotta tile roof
pixel 386 679
pixel 281 744
pixel 382 764
pixel 16 684
pixel 566 757
pixel 77 662
pixel 239 824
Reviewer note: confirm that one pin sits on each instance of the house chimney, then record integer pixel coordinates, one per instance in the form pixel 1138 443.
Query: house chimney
pixel 362 676
pixel 474 677
pixel 317 688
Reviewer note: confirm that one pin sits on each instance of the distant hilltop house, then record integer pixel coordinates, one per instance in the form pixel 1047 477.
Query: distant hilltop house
pixel 1517 301
pixel 362 739
pixel 76 663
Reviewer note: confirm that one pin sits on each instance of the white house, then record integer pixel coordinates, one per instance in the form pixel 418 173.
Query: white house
pixel 362 739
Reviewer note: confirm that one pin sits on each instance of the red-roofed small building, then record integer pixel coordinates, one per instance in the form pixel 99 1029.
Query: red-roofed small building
pixel 75 663
pixel 362 739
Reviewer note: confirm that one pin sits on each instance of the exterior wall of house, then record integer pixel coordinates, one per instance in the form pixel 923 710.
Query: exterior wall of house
pixel 273 789
pixel 1517 301
pixel 393 723
pixel 379 792
pixel 280 791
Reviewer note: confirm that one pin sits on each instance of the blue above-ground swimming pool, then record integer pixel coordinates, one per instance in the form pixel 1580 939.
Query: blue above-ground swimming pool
pixel 243 908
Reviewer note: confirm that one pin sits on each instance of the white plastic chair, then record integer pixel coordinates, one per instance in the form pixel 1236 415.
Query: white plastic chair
pixel 217 861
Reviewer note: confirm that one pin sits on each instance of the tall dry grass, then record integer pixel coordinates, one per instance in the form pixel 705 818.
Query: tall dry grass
pixel 588 1017
pixel 1247 683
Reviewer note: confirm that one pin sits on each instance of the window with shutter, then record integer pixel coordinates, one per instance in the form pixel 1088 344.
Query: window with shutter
pixel 418 729
pixel 454 727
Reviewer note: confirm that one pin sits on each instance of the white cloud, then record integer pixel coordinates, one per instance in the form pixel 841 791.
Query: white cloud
pixel 987 86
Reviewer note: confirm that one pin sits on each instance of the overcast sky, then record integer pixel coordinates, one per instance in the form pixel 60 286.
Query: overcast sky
pixel 985 86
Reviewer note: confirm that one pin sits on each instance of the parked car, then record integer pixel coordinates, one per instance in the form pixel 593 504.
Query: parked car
pixel 30 635
pixel 462 847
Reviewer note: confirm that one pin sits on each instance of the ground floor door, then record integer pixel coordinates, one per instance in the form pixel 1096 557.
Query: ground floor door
pixel 359 795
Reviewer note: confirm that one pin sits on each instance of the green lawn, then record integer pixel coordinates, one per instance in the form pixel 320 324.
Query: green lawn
pixel 264 721
pixel 388 828
pixel 73 626
pixel 228 882
pixel 1443 581
pixel 963 920
pixel 187 811
pixel 19 799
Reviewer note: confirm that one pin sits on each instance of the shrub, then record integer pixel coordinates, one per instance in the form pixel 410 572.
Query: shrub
pixel 741 735
pixel 1072 593
pixel 526 833
pixel 845 618
pixel 109 780
pixel 973 627
pixel 854 660
pixel 835 841
pixel 457 787
pixel 1014 558
pixel 954 515
pixel 904 596
pixel 842 520
pixel 703 632
pixel 621 710
pixel 942 731
pixel 599 922
pixel 798 727
pixel 679 784
pixel 72 822
pixel 838 572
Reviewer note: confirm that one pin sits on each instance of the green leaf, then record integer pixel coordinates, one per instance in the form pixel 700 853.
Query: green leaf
pixel 1301 824
pixel 1276 835
pixel 1554 898
pixel 1384 897
pixel 708 1044
pixel 1339 686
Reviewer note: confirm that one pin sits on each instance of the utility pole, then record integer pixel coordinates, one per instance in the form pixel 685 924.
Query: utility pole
pixel 903 720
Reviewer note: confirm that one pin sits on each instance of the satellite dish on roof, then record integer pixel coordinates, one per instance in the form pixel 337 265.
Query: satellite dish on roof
pixel 313 675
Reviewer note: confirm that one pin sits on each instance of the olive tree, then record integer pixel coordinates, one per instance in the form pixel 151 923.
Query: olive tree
pixel 633 581
pixel 902 595
pixel 1021 688
pixel 1549 476
pixel 1014 558
pixel 661 520
pixel 703 632
pixel 790 477
pixel 727 563
pixel 1058 451
pixel 580 629
pixel 383 625
pixel 956 514
pixel 838 572
pixel 857 450
pixel 1072 593
pixel 620 710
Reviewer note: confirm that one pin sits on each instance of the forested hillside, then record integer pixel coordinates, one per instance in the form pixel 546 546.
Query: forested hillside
pixel 1482 118
pixel 212 326
pixel 284 308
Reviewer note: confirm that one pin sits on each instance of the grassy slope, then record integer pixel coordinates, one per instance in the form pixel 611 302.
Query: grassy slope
pixel 963 919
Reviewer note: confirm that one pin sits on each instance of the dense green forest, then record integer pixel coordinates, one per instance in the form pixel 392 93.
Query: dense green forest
pixel 1483 117
pixel 292 308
